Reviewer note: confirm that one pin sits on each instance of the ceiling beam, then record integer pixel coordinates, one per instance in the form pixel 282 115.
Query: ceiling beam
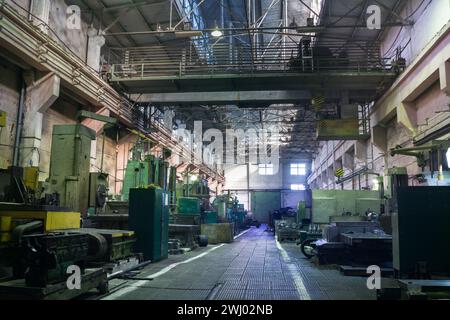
pixel 225 97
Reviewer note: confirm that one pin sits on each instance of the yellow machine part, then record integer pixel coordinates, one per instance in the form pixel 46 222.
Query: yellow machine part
pixel 31 177
pixel 124 234
pixel 53 220
pixel 3 116
pixel 5 228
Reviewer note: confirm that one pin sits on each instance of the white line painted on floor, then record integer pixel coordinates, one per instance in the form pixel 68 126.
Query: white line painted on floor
pixel 242 233
pixel 122 292
pixel 298 281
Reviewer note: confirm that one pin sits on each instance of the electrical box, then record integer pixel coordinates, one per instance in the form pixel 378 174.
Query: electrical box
pixel 149 219
pixel 2 119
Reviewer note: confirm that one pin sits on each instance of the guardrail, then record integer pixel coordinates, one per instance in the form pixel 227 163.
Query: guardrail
pixel 189 59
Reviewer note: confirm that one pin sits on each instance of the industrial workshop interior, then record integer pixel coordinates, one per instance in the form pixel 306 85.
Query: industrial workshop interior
pixel 225 150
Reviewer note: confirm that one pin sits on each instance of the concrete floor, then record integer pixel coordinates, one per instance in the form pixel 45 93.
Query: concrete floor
pixel 253 267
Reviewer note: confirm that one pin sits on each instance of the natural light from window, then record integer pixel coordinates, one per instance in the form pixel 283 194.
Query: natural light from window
pixel 265 169
pixel 298 169
pixel 298 187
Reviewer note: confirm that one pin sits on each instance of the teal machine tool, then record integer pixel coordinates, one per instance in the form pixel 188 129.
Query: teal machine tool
pixel 149 218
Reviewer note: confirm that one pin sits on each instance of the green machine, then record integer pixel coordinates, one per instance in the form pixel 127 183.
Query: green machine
pixel 188 205
pixel 198 188
pixel 220 202
pixel 301 211
pixel 70 165
pixel 141 174
pixel 210 217
pixel 149 219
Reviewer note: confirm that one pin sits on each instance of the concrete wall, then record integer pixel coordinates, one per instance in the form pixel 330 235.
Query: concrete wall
pixel 76 40
pixel 428 16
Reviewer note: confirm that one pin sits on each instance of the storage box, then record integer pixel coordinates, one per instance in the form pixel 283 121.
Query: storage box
pixel 218 232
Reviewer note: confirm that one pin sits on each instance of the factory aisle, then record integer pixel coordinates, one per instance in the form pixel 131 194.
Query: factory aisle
pixel 253 267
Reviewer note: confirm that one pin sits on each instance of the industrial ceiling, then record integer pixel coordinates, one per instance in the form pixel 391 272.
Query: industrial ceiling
pixel 254 24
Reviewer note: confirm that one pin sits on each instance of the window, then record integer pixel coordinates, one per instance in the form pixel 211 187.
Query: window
pixel 298 169
pixel 298 187
pixel 265 169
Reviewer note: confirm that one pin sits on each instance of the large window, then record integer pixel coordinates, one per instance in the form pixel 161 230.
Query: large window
pixel 298 187
pixel 265 169
pixel 298 169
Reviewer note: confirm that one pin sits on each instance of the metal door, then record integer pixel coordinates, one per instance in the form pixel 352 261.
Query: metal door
pixel 264 202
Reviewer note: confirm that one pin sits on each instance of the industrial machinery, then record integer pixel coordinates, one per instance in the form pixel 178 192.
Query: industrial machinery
pixel 287 230
pixel 70 175
pixel 188 211
pixel 220 202
pixel 141 174
pixel 197 188
pixel 419 230
pixel 70 165
pixel 431 155
pixel 307 239
pixel 39 241
pixel 45 257
pixel 149 218
pixel 188 205
pixel 355 243
pixel 98 191
pixel 329 204
pixel 421 258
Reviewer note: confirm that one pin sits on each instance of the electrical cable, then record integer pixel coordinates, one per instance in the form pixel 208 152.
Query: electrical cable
pixel 401 29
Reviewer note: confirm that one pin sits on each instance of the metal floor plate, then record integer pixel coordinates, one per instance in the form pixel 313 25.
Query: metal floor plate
pixel 251 268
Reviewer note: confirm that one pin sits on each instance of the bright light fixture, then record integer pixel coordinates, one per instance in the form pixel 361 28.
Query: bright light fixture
pixel 447 155
pixel 216 33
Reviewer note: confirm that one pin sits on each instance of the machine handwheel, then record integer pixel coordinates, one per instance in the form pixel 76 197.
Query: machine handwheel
pixel 308 243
